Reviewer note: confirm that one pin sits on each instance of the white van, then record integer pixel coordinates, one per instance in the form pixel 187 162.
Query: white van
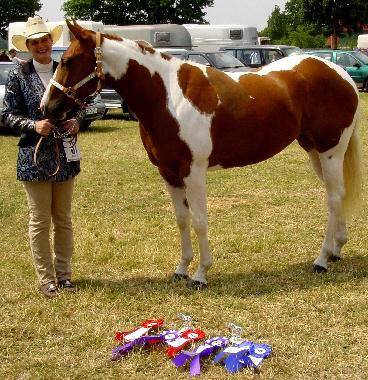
pixel 363 41
pixel 212 37
pixel 64 40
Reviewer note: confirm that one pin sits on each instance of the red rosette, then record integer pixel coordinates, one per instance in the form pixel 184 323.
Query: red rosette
pixel 152 323
pixel 193 335
pixel 119 335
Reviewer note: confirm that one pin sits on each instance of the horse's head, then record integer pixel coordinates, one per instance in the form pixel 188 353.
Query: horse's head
pixel 75 78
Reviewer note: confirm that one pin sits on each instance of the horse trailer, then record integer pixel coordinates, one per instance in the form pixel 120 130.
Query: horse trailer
pixel 159 35
pixel 212 37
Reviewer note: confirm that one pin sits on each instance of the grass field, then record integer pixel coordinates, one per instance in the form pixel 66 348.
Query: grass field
pixel 266 227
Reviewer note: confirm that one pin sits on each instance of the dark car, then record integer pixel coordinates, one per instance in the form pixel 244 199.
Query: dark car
pixel 354 62
pixel 261 55
pixel 220 59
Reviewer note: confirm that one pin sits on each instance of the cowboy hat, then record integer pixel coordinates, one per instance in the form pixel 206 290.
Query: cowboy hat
pixel 35 28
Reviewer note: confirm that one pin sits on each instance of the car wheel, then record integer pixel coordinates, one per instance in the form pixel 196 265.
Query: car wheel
pixel 132 115
pixel 84 124
pixel 365 86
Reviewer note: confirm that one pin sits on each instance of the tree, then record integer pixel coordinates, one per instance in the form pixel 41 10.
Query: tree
pixel 336 16
pixel 276 25
pixel 125 12
pixel 16 10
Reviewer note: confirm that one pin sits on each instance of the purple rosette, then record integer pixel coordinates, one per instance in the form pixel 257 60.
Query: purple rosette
pixel 210 347
pixel 169 336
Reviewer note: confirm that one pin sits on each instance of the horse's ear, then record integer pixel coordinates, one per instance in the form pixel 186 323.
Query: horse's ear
pixel 78 32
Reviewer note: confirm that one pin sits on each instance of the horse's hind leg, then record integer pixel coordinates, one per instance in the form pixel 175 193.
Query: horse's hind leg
pixel 181 209
pixel 333 177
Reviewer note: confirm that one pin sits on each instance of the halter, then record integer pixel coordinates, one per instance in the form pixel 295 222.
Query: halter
pixel 71 92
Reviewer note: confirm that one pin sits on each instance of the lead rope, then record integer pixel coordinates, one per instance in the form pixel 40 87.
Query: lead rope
pixel 57 136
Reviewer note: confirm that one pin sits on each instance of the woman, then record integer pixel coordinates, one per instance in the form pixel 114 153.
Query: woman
pixel 45 164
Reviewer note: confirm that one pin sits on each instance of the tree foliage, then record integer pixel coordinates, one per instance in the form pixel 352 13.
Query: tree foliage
pixel 16 10
pixel 335 16
pixel 307 23
pixel 126 12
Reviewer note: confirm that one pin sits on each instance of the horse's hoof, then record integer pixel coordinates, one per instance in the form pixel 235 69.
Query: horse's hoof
pixel 179 277
pixel 335 258
pixel 319 269
pixel 198 285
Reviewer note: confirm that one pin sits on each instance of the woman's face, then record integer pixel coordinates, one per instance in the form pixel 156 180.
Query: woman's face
pixel 40 48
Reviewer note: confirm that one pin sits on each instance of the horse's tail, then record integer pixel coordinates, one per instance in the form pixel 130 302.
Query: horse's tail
pixel 352 173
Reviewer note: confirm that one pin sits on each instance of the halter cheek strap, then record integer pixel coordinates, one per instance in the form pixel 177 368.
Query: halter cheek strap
pixel 71 92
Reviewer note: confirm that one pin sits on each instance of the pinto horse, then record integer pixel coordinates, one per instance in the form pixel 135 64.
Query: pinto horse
pixel 193 118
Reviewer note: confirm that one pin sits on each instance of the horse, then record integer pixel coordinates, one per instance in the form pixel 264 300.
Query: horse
pixel 194 118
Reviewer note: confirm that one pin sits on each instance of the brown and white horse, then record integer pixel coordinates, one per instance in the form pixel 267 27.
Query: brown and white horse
pixel 194 118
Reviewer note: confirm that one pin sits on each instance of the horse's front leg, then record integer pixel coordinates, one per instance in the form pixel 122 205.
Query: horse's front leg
pixel 197 199
pixel 181 209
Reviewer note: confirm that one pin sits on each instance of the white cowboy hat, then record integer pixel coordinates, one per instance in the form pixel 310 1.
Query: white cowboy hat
pixel 35 28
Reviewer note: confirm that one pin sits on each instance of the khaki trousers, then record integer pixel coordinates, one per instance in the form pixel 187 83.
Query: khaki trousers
pixel 50 201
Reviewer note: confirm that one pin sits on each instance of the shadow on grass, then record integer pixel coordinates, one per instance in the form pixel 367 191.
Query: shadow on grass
pixel 256 283
pixel 117 116
pixel 102 129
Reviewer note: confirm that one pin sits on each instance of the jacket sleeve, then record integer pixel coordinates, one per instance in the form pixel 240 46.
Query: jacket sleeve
pixel 14 109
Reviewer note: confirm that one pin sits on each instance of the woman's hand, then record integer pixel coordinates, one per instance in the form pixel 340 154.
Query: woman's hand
pixel 44 127
pixel 72 126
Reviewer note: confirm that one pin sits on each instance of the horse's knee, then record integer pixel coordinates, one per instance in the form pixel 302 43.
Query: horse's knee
pixel 182 221
pixel 200 225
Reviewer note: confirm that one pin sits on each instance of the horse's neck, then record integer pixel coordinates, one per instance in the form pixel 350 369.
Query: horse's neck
pixel 132 71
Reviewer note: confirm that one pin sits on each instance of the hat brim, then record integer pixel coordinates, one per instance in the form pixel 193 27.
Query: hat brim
pixel 20 44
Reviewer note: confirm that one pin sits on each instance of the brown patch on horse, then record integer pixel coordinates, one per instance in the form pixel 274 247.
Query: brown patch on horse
pixel 255 118
pixel 166 56
pixel 158 128
pixel 197 88
pixel 145 47
pixel 112 37
pixel 333 101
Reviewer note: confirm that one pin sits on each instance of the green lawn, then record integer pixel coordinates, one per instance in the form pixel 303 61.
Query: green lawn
pixel 266 227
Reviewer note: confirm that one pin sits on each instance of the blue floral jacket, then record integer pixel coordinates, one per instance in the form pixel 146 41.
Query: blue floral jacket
pixel 23 94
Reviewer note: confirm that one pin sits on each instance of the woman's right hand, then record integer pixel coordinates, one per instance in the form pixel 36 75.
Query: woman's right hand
pixel 44 127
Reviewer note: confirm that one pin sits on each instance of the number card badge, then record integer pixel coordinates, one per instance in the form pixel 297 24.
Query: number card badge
pixel 71 149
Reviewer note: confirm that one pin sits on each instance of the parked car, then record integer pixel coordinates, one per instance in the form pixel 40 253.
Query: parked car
pixel 95 108
pixel 220 59
pixel 261 55
pixel 354 62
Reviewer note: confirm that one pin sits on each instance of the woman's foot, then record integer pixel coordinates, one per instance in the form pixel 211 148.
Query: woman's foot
pixel 49 290
pixel 66 285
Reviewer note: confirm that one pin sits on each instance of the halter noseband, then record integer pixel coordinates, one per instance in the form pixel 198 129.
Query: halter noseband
pixel 71 92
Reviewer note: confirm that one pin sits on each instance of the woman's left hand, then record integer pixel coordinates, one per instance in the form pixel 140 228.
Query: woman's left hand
pixel 72 125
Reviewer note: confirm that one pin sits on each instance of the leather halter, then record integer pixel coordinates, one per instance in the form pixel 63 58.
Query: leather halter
pixel 71 92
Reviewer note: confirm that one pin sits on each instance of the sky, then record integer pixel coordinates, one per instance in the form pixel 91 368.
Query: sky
pixel 244 12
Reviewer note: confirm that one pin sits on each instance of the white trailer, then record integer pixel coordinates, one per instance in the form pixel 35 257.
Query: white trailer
pixel 211 37
pixel 64 40
pixel 363 41
pixel 159 35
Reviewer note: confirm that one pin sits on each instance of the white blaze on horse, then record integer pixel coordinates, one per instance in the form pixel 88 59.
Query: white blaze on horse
pixel 193 118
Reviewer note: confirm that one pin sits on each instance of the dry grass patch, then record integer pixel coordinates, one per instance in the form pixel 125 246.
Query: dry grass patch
pixel 266 227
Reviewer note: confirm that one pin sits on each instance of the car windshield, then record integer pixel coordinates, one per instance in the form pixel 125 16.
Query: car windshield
pixel 4 71
pixel 361 57
pixel 224 60
pixel 292 51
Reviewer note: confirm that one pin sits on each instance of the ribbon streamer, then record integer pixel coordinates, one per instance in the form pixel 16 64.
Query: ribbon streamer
pixel 210 347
